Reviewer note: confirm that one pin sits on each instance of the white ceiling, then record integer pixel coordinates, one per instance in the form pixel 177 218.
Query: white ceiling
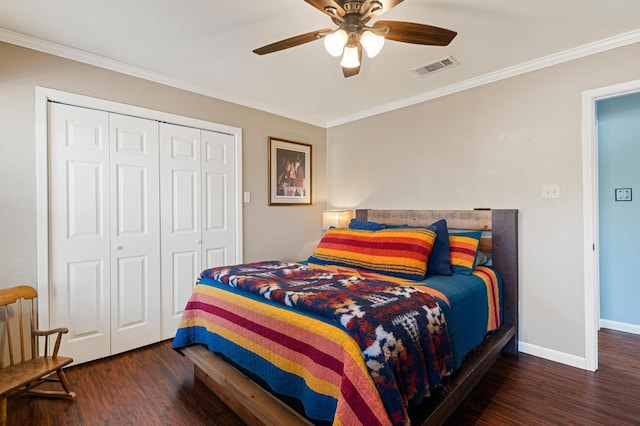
pixel 206 46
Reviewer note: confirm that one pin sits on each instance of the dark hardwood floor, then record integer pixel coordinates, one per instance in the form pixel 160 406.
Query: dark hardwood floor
pixel 532 391
pixel 155 386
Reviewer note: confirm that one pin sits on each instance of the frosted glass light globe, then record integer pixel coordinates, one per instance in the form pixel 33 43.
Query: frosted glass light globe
pixel 335 42
pixel 372 43
pixel 350 57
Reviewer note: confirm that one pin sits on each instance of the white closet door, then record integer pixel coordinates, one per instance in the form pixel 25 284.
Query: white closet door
pixel 181 218
pixel 219 199
pixel 79 229
pixel 135 233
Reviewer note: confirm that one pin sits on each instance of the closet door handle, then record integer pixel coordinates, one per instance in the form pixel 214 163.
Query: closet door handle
pixel 117 247
pixel 198 241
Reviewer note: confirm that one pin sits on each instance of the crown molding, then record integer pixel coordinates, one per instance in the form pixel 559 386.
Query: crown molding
pixel 77 55
pixel 134 71
pixel 534 65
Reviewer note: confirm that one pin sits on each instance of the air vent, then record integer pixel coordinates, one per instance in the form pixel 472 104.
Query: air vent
pixel 434 67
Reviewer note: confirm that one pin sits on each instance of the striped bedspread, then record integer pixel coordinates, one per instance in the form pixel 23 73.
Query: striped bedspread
pixel 302 355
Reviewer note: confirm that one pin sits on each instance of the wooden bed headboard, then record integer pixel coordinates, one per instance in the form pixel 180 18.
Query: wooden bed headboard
pixel 499 242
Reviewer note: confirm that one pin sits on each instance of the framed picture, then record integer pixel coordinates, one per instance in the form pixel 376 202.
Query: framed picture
pixel 623 194
pixel 289 172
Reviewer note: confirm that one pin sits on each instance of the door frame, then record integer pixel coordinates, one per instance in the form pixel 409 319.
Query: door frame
pixel 43 96
pixel 590 212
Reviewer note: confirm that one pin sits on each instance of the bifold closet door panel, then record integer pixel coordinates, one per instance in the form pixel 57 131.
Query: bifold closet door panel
pixel 181 220
pixel 219 199
pixel 79 227
pixel 135 232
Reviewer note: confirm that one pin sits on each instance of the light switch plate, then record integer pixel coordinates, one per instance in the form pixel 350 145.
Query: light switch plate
pixel 551 191
pixel 623 194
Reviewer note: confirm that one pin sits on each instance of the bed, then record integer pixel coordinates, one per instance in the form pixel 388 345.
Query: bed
pixel 281 341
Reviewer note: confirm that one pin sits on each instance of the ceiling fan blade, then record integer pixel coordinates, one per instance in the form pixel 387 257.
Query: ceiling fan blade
pixel 387 5
pixel 322 6
pixel 350 72
pixel 408 32
pixel 292 42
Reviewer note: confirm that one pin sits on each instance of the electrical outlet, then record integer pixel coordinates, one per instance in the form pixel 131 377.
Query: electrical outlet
pixel 551 191
pixel 247 197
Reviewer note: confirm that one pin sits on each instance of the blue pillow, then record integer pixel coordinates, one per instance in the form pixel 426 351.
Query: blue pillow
pixel 440 259
pixel 368 226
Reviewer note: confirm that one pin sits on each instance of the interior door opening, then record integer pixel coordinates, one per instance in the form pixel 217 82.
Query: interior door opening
pixel 590 212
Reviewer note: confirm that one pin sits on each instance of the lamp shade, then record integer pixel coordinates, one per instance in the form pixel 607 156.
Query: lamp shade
pixel 336 218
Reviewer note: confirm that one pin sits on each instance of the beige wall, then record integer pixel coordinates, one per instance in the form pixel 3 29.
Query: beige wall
pixel 287 233
pixel 494 146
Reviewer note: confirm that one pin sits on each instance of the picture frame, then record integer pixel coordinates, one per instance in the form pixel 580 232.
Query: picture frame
pixel 289 172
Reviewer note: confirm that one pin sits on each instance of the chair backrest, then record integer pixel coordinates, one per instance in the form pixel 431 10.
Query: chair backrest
pixel 18 312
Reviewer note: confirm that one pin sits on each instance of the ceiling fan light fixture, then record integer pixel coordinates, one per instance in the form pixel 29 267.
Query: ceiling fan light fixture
pixel 353 34
pixel 350 57
pixel 371 42
pixel 335 42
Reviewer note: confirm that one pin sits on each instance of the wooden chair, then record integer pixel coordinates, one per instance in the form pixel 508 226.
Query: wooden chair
pixel 27 370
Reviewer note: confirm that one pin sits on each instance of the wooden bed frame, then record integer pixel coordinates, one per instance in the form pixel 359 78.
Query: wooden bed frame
pixel 256 406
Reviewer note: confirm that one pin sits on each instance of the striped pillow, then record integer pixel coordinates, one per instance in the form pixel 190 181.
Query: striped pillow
pixel 399 252
pixel 463 247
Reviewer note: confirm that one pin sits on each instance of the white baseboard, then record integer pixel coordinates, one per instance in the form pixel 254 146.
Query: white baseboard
pixel 552 355
pixel 569 359
pixel 620 326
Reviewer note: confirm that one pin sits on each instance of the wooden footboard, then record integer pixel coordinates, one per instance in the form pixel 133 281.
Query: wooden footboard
pixel 250 402
pixel 256 406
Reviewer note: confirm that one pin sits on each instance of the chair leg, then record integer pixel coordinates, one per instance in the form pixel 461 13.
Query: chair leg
pixel 3 411
pixel 65 383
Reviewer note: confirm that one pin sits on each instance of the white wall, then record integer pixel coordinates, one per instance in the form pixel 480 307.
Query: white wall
pixel 287 233
pixel 494 146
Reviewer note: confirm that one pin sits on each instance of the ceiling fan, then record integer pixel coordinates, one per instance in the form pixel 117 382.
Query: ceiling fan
pixel 353 34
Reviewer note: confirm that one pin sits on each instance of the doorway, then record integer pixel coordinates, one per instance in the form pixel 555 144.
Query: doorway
pixel 619 177
pixel 591 213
